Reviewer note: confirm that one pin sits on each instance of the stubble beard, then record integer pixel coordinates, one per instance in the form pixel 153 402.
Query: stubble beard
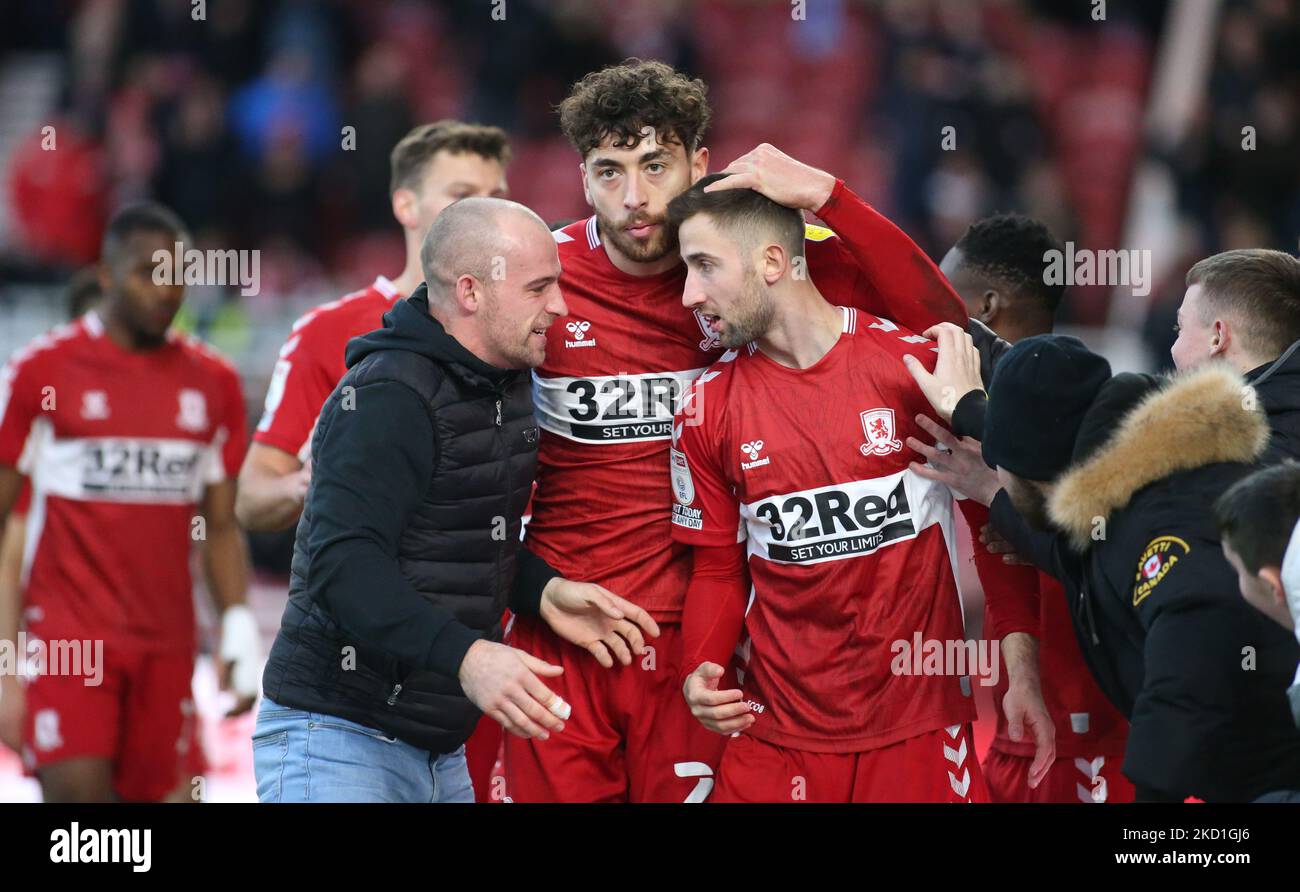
pixel 753 315
pixel 636 250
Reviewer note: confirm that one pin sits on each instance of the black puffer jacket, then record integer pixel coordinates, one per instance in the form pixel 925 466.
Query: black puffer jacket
pixel 1278 386
pixel 1199 673
pixel 406 552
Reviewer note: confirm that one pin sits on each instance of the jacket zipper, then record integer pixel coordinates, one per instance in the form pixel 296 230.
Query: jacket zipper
pixel 397 688
pixel 509 483
pixel 1085 613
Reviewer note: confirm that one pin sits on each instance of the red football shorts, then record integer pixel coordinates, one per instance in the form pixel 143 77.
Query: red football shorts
pixel 938 766
pixel 630 736
pixel 481 752
pixel 1068 780
pixel 141 717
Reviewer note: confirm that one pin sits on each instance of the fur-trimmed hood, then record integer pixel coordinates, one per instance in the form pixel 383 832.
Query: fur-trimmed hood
pixel 1193 419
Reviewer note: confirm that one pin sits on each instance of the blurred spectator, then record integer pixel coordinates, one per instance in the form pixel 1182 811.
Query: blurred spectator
pixel 1247 197
pixel 291 100
pixel 237 119
pixel 58 195
pixel 381 117
pixel 194 173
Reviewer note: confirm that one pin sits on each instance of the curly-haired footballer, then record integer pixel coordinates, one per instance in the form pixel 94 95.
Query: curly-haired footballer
pixel 606 394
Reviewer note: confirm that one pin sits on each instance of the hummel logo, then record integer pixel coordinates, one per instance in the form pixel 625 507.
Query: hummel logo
pixel 579 331
pixel 752 449
pixel 94 405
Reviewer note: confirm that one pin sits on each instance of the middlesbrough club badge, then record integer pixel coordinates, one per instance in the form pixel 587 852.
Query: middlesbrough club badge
pixel 878 425
pixel 711 341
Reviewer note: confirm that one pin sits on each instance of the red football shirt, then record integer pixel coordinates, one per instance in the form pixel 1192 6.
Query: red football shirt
pixel 1087 723
pixel 119 447
pixel 23 503
pixel 311 365
pixel 849 551
pixel 616 366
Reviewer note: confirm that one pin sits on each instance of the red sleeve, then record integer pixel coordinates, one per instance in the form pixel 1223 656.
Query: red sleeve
pixel 1010 590
pixel 903 284
pixel 715 606
pixel 19 405
pixel 705 508
pixel 299 387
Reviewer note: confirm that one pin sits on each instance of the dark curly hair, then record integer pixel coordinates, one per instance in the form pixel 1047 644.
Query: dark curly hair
pixel 1010 248
pixel 623 99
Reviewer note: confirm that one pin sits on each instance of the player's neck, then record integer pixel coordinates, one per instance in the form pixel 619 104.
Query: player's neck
pixel 804 329
pixel 413 274
pixel 121 335
pixel 1013 334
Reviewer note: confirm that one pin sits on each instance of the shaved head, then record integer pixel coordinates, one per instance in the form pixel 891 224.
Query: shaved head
pixel 493 273
pixel 470 238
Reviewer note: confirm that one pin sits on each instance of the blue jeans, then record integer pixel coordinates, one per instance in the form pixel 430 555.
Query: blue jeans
pixel 301 756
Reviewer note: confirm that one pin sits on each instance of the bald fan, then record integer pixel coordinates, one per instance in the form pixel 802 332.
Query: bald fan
pixel 468 235
pixel 493 273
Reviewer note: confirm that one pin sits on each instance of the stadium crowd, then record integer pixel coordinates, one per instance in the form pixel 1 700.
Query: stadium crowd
pixel 662 501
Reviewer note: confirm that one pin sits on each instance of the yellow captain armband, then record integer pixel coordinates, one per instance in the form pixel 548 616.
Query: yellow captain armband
pixel 816 233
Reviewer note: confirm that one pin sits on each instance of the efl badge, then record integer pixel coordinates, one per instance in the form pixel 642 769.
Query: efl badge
pixel 1158 558
pixel 683 485
pixel 711 341
pixel 878 425
pixel 193 414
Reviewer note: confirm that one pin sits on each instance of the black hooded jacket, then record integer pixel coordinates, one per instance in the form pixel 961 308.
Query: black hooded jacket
pixel 1277 385
pixel 1200 673
pixel 408 550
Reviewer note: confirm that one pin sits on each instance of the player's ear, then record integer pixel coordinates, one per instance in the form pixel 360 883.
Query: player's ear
pixel 104 274
pixel 469 292
pixel 990 305
pixel 1220 335
pixel 774 264
pixel 405 204
pixel 699 164
pixel 1273 577
pixel 586 189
